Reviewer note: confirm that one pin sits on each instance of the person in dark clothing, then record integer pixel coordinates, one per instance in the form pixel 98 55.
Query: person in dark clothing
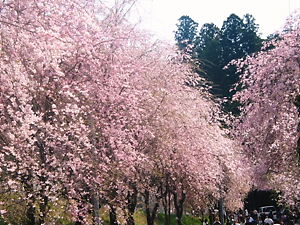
pixel 255 217
pixel 262 217
pixel 271 215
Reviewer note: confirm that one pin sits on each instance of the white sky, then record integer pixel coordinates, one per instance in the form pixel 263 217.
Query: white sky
pixel 160 16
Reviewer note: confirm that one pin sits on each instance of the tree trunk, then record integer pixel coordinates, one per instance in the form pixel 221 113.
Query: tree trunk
pixel 43 209
pixel 211 217
pixel 42 179
pixel 79 218
pixel 131 204
pixel 96 208
pixel 130 219
pixel 112 216
pixel 169 207
pixel 166 202
pixel 165 206
pixel 30 209
pixel 151 214
pixel 178 203
pixel 221 211
pixel 30 214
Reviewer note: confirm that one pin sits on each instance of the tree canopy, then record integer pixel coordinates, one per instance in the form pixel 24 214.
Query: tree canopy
pixel 268 127
pixel 93 113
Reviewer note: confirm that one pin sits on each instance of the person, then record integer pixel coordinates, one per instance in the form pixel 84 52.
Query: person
pixel 249 220
pixel 262 217
pixel 271 215
pixel 205 222
pixel 246 213
pixel 254 215
pixel 268 221
pixel 242 220
pixel 217 222
pixel 231 220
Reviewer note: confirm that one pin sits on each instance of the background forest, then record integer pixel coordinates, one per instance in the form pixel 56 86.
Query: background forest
pixel 213 48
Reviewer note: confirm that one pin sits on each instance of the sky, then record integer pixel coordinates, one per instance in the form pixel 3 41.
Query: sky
pixel 160 16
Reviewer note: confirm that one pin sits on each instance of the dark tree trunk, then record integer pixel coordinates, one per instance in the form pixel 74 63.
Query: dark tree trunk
pixel 211 217
pixel 30 209
pixel 43 209
pixel 178 203
pixel 43 180
pixel 169 208
pixel 151 214
pixel 79 218
pixel 112 216
pixel 96 208
pixel 166 202
pixel 131 204
pixel 30 214
pixel 221 211
pixel 165 205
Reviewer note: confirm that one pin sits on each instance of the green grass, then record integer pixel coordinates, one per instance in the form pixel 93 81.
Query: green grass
pixel 139 218
pixel 2 222
pixel 190 220
pixel 186 220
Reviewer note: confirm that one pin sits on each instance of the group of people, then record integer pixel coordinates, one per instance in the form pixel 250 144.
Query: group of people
pixel 254 218
pixel 243 217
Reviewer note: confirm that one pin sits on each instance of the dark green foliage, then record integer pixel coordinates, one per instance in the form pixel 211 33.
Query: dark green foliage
pixel 207 52
pixel 239 37
pixel 297 102
pixel 207 43
pixel 186 32
pixel 231 38
pixel 2 222
pixel 214 48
